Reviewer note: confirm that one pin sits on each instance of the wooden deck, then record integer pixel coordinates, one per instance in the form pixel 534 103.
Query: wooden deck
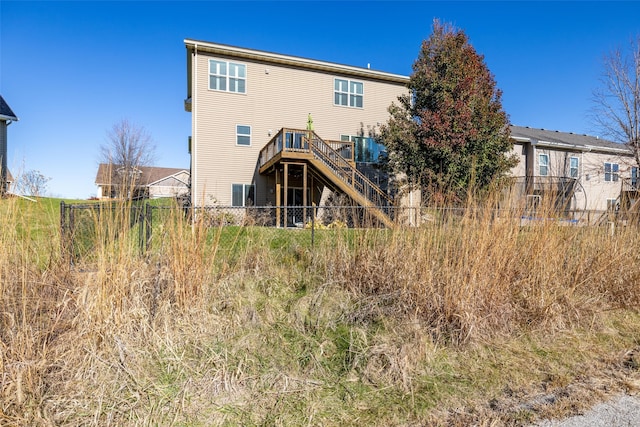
pixel 332 160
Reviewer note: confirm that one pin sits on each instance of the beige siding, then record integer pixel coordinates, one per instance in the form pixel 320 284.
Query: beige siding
pixel 519 150
pixel 591 175
pixel 276 96
pixel 597 189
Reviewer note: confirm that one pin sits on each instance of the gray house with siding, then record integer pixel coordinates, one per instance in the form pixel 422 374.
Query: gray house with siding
pixel 7 116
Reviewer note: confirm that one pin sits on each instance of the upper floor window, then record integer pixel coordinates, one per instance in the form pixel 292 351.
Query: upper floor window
pixel 573 167
pixel 634 177
pixel 227 76
pixel 611 172
pixel 243 135
pixel 543 162
pixel 348 93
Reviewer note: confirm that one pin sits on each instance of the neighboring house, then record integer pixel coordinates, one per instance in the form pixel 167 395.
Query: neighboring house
pixel 273 129
pixel 581 172
pixel 7 116
pixel 150 182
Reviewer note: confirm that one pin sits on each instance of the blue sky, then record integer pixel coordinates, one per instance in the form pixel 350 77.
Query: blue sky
pixel 70 70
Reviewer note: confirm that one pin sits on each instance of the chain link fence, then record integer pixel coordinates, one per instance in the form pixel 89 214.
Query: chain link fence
pixel 85 228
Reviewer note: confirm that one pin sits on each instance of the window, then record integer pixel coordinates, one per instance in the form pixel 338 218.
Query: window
pixel 543 161
pixel 634 177
pixel 243 194
pixel 611 172
pixel 243 135
pixel 348 93
pixel 367 150
pixel 612 205
pixel 227 76
pixel 573 167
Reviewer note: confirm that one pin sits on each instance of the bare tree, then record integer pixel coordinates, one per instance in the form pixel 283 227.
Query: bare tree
pixel 128 147
pixel 617 100
pixel 32 183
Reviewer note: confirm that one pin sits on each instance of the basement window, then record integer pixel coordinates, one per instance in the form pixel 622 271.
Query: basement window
pixel 243 195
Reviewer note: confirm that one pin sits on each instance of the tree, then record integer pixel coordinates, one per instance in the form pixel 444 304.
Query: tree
pixel 128 147
pixel 32 183
pixel 617 100
pixel 451 132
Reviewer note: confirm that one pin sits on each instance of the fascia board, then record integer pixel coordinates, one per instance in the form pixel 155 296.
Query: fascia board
pixel 295 61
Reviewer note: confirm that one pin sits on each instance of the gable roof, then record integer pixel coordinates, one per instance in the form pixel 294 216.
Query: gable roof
pixel 566 140
pixel 5 111
pixel 148 174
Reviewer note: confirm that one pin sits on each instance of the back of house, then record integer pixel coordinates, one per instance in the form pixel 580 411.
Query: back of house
pixel 240 99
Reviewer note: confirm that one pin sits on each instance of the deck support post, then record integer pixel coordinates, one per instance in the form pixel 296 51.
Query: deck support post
pixel 304 194
pixel 286 193
pixel 278 191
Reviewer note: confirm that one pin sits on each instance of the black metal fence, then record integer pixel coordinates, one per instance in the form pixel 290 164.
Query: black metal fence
pixel 84 226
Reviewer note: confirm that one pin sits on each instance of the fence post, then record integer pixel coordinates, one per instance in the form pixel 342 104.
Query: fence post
pixel 63 232
pixel 148 225
pixel 71 234
pixel 313 225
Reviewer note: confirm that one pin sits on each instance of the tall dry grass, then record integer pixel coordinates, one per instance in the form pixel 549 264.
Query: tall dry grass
pixel 252 326
pixel 481 272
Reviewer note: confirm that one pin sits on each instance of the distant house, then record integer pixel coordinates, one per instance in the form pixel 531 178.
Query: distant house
pixel 581 172
pixel 7 116
pixel 147 182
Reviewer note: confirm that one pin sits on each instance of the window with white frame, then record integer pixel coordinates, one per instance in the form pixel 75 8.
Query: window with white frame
pixel 348 93
pixel 243 135
pixel 573 167
pixel 611 172
pixel 612 205
pixel 543 163
pixel 243 194
pixel 634 177
pixel 227 76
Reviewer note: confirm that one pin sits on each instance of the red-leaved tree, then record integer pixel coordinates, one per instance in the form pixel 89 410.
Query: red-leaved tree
pixel 450 132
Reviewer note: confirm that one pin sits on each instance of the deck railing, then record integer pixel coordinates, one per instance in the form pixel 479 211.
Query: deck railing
pixel 337 156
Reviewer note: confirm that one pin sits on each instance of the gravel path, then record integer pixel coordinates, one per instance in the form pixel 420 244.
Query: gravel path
pixel 618 412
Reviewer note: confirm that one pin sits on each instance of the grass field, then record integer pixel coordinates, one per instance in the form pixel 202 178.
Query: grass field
pixel 475 321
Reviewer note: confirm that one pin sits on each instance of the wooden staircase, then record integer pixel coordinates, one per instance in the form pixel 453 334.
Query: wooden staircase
pixel 334 161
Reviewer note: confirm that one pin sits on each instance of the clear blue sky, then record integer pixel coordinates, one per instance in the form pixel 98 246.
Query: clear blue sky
pixel 70 70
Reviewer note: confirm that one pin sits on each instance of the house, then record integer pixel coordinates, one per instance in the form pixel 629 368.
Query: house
pixel 148 181
pixel 7 116
pixel 582 173
pixel 280 130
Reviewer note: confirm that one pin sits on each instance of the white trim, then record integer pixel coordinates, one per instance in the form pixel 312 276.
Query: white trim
pixel 348 93
pixel 540 164
pixel 577 167
pixel 173 175
pixel 227 76
pixel 243 134
pixel 275 58
pixel 194 137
